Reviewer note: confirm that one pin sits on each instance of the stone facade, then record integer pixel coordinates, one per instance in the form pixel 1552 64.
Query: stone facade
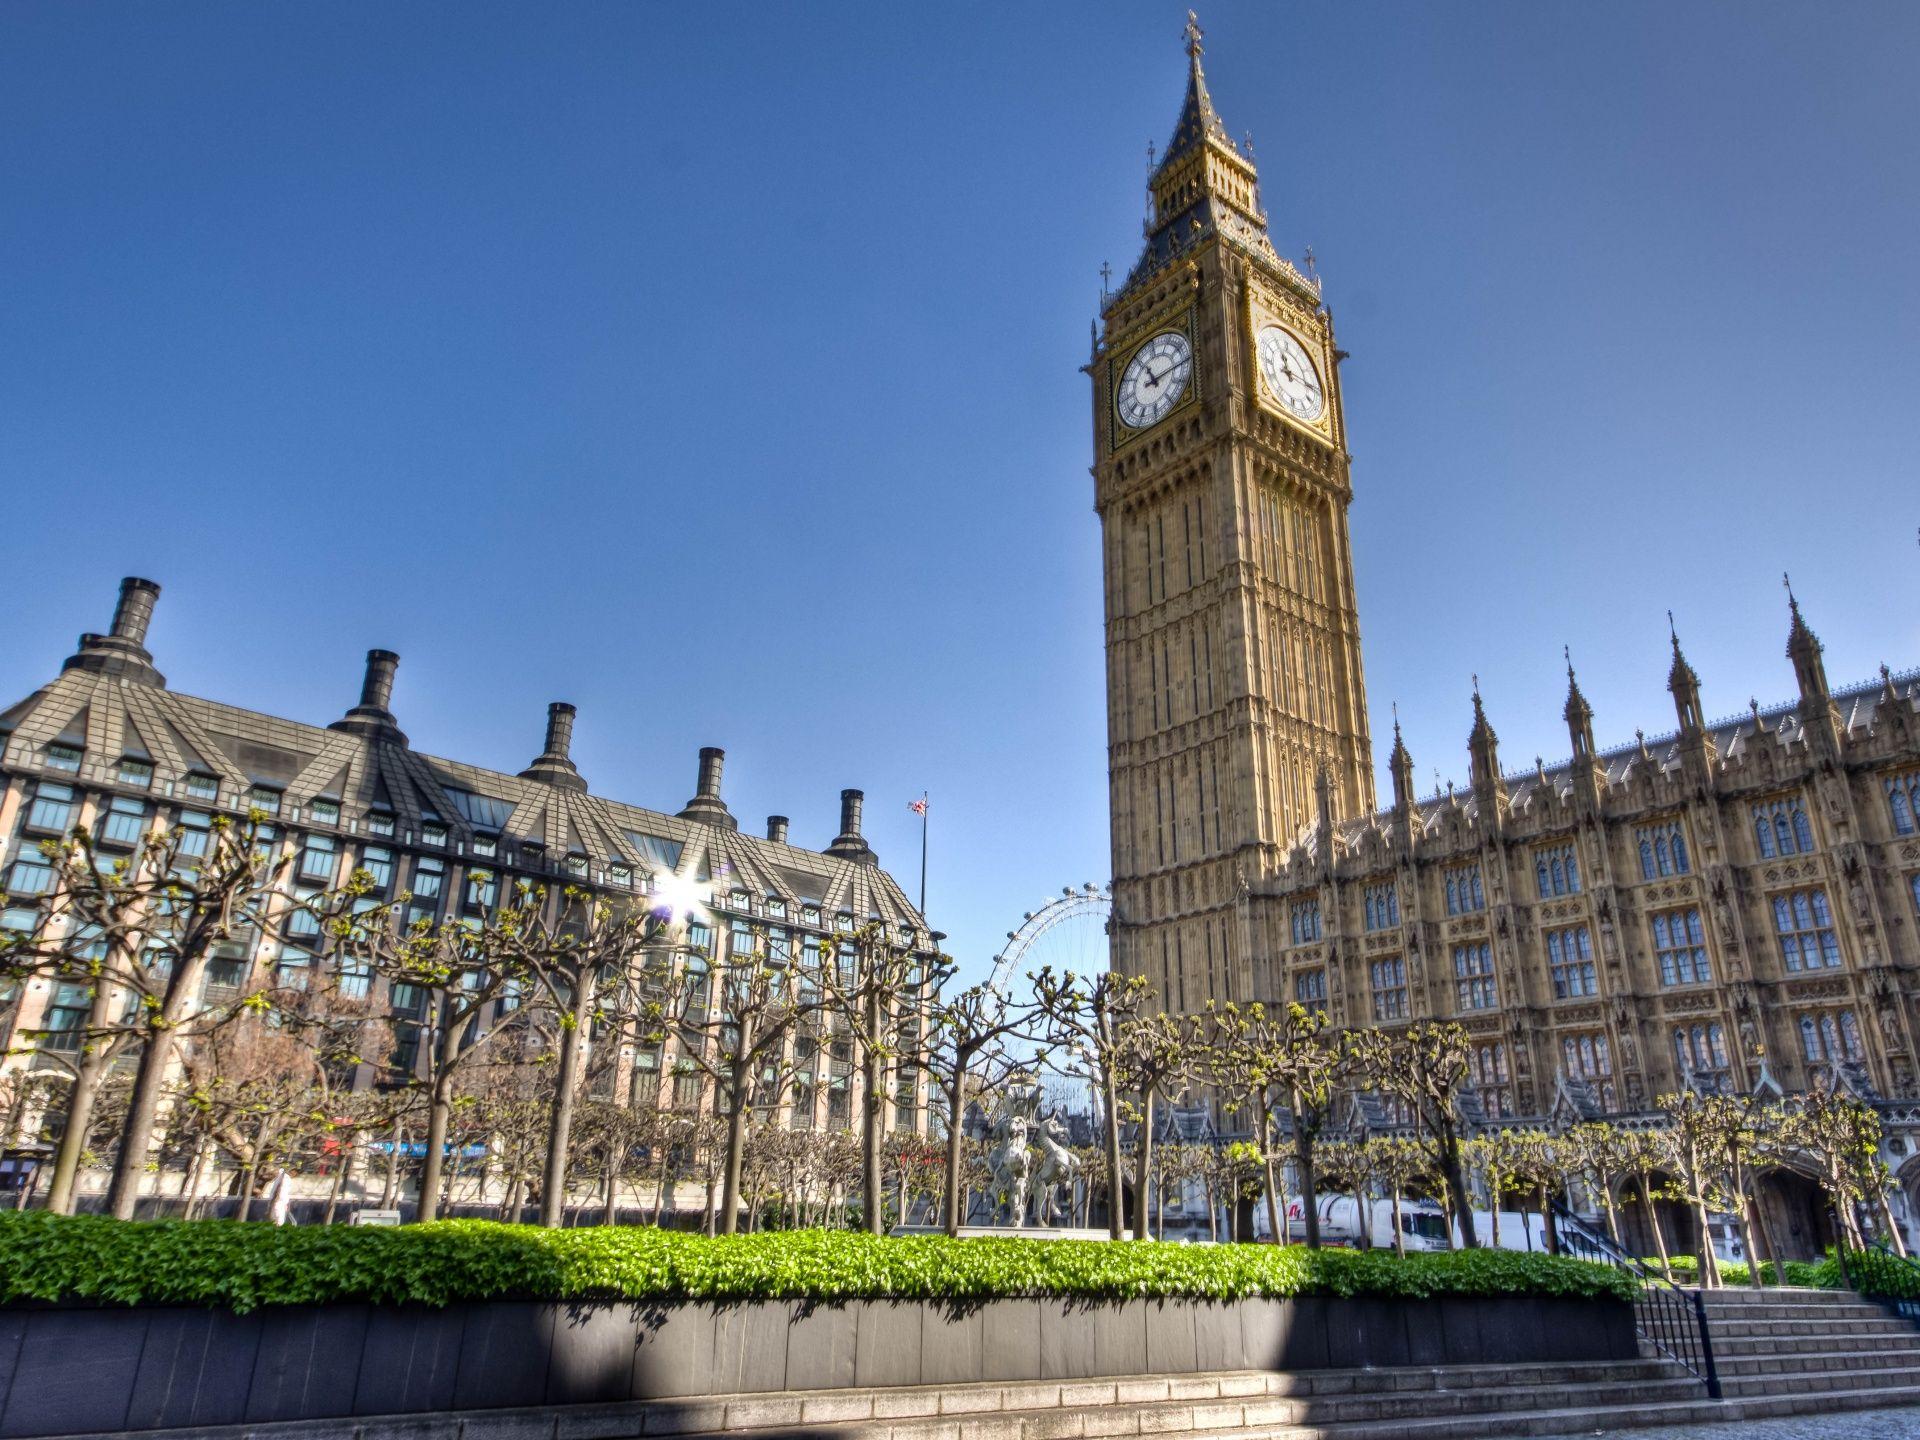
pixel 1233 646
pixel 1606 928
pixel 108 745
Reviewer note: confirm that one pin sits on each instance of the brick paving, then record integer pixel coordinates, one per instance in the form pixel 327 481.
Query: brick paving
pixel 1854 1425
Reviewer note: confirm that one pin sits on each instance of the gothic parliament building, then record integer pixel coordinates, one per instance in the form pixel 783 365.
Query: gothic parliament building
pixel 1736 900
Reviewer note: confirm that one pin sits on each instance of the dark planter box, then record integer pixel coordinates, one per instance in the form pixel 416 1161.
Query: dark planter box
pixel 70 1371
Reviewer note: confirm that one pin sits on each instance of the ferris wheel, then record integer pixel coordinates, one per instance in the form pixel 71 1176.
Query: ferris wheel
pixel 1068 932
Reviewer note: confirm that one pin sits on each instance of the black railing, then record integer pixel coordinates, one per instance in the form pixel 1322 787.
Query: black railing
pixel 1669 1317
pixel 1906 1308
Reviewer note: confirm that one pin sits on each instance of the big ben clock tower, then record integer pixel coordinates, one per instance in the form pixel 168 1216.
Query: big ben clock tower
pixel 1233 646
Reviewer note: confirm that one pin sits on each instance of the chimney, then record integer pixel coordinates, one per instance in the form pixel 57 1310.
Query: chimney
pixel 373 717
pixel 706 805
pixel 554 765
pixel 849 844
pixel 135 610
pixel 123 651
pixel 777 829
pixel 376 691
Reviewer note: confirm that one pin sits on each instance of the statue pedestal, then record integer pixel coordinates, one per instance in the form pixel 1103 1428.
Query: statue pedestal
pixel 1012 1232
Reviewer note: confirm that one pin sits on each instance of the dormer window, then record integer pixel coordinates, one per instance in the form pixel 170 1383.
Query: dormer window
pixel 201 786
pixel 577 865
pixel 137 773
pixel 324 812
pixel 487 845
pixel 64 758
pixel 430 833
pixel 264 799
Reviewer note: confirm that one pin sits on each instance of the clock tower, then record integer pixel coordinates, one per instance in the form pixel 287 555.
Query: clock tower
pixel 1233 648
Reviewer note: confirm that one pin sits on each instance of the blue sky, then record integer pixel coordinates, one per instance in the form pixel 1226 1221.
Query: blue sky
pixel 716 368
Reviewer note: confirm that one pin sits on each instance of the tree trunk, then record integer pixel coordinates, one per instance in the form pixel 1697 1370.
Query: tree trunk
pixel 610 1185
pixel 1496 1183
pixel 439 1117
pixel 1111 1095
pixel 1548 1227
pixel 1709 1262
pixel 249 1174
pixel 1613 1220
pixel 1143 1167
pixel 81 1096
pixel 143 1110
pixel 1894 1237
pixel 339 1181
pixel 1309 1182
pixel 660 1185
pixel 870 1119
pixel 1763 1234
pixel 1457 1184
pixel 1399 1233
pixel 1653 1224
pixel 1275 1209
pixel 954 1107
pixel 553 1186
pixel 736 1154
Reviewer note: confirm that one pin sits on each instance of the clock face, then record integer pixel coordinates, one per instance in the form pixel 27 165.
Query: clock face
pixel 1155 378
pixel 1290 374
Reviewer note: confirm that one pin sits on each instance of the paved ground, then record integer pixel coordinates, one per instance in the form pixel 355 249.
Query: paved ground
pixel 1852 1425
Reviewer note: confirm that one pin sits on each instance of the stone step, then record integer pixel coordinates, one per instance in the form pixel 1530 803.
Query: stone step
pixel 1794 1329
pixel 1746 1294
pixel 1793 1310
pixel 1796 1379
pixel 904 1405
pixel 1813 1344
pixel 1839 1361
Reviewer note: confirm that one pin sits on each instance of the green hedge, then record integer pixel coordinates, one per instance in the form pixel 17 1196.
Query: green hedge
pixel 1874 1272
pixel 213 1262
pixel 1810 1274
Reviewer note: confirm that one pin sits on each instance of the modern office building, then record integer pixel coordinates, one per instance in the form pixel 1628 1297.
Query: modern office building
pixel 107 744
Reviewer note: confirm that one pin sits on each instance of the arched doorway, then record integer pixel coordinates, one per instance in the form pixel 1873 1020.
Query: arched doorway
pixel 1797 1215
pixel 1676 1221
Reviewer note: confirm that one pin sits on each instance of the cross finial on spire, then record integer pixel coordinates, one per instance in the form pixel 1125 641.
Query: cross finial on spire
pixel 1106 278
pixel 1153 152
pixel 1310 260
pixel 1792 603
pixel 1396 712
pixel 1194 34
pixel 1476 686
pixel 1672 634
pixel 1567 652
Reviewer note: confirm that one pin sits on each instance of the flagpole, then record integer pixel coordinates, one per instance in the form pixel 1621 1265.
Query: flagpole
pixel 924 807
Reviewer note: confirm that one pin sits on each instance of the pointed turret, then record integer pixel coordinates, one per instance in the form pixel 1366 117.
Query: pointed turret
pixel 1579 717
pixel 1805 650
pixel 1483 747
pixel 1204 184
pixel 1818 717
pixel 1684 686
pixel 1405 813
pixel 1401 763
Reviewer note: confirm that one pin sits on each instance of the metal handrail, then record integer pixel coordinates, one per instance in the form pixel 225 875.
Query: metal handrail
pixel 1905 1309
pixel 1670 1317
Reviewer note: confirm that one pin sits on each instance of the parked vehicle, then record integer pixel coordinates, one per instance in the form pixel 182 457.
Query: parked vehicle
pixel 1423 1224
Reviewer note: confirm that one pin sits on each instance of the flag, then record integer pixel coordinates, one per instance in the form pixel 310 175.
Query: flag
pixel 919 807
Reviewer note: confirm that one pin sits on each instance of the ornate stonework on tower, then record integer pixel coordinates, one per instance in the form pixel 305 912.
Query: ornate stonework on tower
pixel 1233 646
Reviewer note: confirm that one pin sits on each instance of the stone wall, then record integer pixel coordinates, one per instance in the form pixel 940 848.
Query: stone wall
pixel 71 1370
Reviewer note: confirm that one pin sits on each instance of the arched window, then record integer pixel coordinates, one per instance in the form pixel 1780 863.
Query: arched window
pixel 1782 834
pixel 1717 1039
pixel 1850 1036
pixel 1763 833
pixel 1679 852
pixel 1646 860
pixel 1902 811
pixel 1802 831
pixel 1540 874
pixel 1681 1054
pixel 1809 1038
